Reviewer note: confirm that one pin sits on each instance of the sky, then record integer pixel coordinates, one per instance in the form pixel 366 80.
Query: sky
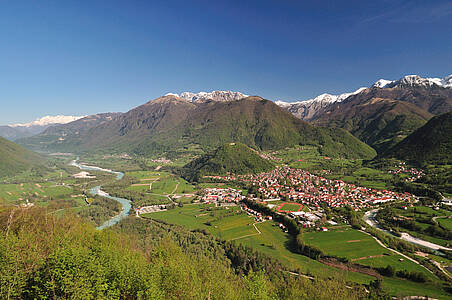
pixel 86 57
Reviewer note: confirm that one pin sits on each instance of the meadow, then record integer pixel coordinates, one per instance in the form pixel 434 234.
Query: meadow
pixel 44 191
pixel 160 183
pixel 227 223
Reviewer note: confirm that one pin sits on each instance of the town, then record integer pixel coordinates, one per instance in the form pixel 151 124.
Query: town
pixel 303 187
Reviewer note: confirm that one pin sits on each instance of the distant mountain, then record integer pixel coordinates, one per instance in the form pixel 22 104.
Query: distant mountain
pixel 57 133
pixel 214 95
pixel 381 115
pixel 172 124
pixel 15 159
pixel 431 94
pixel 380 122
pixel 16 131
pixel 415 81
pixel 307 110
pixel 432 143
pixel 233 158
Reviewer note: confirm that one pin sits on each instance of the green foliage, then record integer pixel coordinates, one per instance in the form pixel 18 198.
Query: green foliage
pixel 383 117
pixel 15 159
pixel 45 257
pixel 233 158
pixel 431 143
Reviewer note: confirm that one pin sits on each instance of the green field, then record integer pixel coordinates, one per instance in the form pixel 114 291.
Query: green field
pixel 289 207
pixel 228 223
pixel 17 193
pixel 273 242
pixel 359 248
pixel 446 222
pixel 345 242
pixel 163 183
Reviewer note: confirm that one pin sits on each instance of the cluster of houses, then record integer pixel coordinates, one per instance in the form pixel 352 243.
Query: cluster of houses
pixel 257 215
pixel 307 219
pixel 150 209
pixel 303 187
pixel 221 196
pixel 222 178
pixel 414 173
pixel 161 160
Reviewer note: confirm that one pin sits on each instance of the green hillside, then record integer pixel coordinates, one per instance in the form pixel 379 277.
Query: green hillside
pixel 44 257
pixel 380 122
pixel 15 159
pixel 234 158
pixel 432 143
pixel 173 126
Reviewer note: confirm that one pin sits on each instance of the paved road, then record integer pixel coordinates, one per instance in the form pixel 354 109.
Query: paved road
pixel 369 218
pixel 395 251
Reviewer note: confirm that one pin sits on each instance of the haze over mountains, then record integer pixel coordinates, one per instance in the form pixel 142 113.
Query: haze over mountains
pixel 381 116
pixel 17 131
pixel 173 124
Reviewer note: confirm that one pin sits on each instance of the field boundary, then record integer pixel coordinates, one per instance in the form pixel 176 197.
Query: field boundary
pixel 279 209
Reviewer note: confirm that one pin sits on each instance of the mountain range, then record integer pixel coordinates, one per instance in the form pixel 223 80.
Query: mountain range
pixel 172 124
pixel 308 110
pixel 381 116
pixel 205 96
pixel 16 131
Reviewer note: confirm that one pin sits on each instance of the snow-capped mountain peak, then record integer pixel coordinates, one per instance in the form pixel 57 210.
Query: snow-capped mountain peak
pixel 214 95
pixel 382 83
pixel 447 81
pixel 415 80
pixel 284 104
pixel 49 120
pixel 328 98
pixel 306 109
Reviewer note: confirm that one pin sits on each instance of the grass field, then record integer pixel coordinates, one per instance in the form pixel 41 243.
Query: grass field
pixel 16 193
pixel 289 207
pixel 273 242
pixel 345 242
pixel 359 248
pixel 238 227
pixel 225 223
pixel 447 223
pixel 163 183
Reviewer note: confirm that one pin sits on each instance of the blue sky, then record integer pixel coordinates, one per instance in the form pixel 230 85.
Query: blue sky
pixel 84 57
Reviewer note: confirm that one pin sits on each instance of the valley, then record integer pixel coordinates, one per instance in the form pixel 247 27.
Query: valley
pixel 266 190
pixel 247 210
pixel 226 150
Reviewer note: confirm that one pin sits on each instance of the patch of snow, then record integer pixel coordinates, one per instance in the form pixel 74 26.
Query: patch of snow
pixel 214 95
pixel 172 94
pixel 447 81
pixel 382 83
pixel 49 120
